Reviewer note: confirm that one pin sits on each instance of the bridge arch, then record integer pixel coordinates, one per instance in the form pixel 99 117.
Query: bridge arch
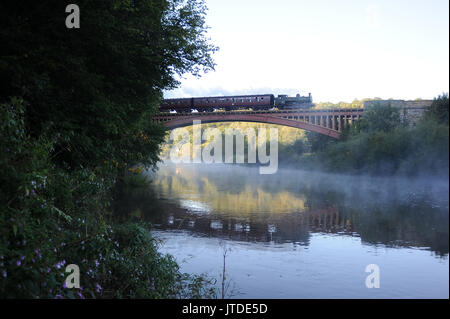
pixel 260 118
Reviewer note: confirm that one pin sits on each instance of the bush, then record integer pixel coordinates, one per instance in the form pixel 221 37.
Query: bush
pixel 50 218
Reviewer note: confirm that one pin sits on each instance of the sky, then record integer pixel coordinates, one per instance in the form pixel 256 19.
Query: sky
pixel 338 50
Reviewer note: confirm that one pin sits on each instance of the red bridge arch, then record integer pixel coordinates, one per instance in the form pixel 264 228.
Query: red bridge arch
pixel 326 122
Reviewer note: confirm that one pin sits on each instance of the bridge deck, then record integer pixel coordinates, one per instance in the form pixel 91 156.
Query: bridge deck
pixel 279 112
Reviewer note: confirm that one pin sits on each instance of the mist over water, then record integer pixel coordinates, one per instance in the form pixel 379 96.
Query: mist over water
pixel 300 234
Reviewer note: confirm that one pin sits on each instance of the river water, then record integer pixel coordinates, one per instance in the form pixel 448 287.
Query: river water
pixel 298 234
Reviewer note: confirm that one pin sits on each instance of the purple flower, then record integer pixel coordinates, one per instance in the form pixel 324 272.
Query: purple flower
pixel 22 258
pixel 98 288
pixel 64 284
pixel 38 252
pixel 60 264
pixel 5 274
pixel 18 263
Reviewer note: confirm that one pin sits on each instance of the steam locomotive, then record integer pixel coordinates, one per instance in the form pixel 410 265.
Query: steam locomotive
pixel 235 102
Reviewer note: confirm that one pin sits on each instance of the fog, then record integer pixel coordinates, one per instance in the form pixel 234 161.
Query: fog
pixel 359 189
pixel 305 234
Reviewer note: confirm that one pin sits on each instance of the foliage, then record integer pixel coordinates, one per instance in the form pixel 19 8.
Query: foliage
pixel 287 136
pixel 380 117
pixel 97 86
pixel 355 104
pixel 439 109
pixel 380 143
pixel 50 218
pixel 75 116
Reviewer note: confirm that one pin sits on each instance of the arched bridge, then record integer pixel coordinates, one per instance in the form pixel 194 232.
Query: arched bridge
pixel 327 122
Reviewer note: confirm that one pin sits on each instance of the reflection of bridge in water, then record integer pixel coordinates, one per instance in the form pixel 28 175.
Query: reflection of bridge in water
pixel 280 228
pixel 297 228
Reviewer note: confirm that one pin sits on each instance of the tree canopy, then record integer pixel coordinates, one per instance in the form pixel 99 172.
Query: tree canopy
pixel 96 86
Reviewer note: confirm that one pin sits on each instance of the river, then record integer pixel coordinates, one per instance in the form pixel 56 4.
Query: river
pixel 298 234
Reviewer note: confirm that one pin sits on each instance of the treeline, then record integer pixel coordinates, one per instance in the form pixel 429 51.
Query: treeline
pixel 75 117
pixel 381 143
pixel 355 104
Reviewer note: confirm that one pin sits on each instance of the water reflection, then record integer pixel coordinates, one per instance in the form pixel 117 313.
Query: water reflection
pixel 239 204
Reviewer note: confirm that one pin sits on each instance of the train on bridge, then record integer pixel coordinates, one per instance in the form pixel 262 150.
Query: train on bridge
pixel 236 102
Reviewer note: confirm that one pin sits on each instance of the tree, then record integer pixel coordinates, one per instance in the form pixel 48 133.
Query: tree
pixel 380 117
pixel 439 109
pixel 96 87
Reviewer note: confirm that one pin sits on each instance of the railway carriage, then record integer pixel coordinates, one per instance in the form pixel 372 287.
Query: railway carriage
pixel 235 102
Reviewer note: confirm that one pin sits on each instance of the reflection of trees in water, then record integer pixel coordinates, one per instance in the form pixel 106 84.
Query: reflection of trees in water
pixel 402 226
pixel 242 199
pixel 392 221
pixel 288 210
